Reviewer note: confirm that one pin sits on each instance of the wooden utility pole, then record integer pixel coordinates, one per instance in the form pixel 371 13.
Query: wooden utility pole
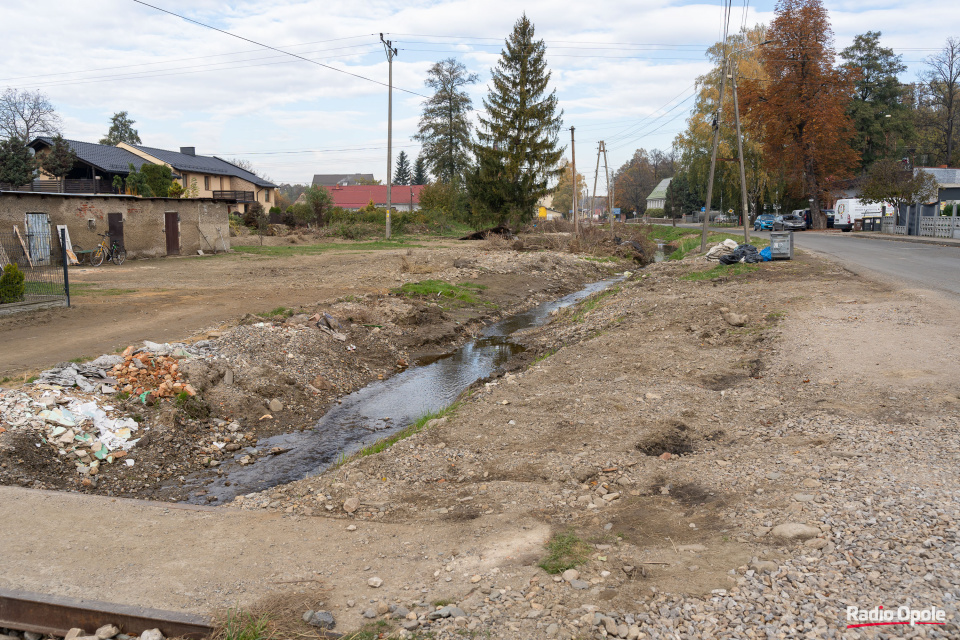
pixel 391 52
pixel 713 154
pixel 575 187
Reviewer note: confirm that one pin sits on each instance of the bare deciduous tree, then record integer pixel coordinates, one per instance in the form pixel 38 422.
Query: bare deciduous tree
pixel 27 114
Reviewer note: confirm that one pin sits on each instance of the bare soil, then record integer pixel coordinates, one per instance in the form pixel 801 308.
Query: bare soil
pixel 641 420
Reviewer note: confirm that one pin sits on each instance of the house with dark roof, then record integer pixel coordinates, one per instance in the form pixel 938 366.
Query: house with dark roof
pixel 94 170
pixel 342 179
pixel 210 176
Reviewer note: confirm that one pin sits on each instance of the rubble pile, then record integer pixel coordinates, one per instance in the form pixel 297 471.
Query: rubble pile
pixel 149 372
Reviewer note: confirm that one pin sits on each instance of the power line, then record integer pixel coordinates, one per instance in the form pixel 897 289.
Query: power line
pixel 213 55
pixel 266 46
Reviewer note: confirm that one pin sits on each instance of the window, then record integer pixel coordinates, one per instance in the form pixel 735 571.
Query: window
pixel 206 183
pixel 266 196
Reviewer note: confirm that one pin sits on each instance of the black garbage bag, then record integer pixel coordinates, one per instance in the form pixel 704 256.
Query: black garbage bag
pixel 743 252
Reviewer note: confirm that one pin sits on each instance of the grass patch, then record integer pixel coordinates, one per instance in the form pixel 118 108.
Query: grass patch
pixel 720 271
pixel 372 631
pixel 686 239
pixel 89 289
pixel 280 312
pixel 592 303
pixel 316 249
pixel 439 288
pixel 385 443
pixel 240 625
pixel 543 356
pixel 564 551
pixel 80 360
pixel 442 602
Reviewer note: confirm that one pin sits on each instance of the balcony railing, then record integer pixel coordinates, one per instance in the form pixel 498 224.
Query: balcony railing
pixel 239 196
pixel 61 186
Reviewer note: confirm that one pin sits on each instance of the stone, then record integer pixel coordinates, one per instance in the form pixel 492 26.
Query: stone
pixel 803 497
pixel 570 575
pixel 151 634
pixel 733 319
pixel 352 527
pixel 764 566
pixel 795 531
pixel 107 631
pixel 579 584
pixel 321 620
pixel 351 504
pixel 375 582
pixel 815 543
pixel 552 630
pixel 30 635
pixel 370 613
pixel 275 405
pixel 382 608
pixel 74 633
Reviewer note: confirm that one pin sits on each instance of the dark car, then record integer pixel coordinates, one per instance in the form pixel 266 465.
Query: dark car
pixel 763 221
pixel 790 222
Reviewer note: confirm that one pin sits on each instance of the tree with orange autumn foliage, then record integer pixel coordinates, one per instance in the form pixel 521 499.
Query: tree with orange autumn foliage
pixel 802 103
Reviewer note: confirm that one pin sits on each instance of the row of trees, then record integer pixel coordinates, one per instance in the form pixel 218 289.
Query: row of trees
pixel 496 172
pixel 816 122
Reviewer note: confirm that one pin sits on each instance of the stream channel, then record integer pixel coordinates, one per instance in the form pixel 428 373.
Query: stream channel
pixel 382 408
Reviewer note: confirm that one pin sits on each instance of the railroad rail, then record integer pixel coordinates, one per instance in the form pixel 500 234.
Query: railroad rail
pixel 56 615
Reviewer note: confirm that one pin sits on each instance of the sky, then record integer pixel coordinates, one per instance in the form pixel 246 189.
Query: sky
pixel 624 71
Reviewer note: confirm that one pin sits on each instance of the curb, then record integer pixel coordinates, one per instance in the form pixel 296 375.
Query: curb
pixel 940 242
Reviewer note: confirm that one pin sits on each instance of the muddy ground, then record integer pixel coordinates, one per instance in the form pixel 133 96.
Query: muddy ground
pixel 279 371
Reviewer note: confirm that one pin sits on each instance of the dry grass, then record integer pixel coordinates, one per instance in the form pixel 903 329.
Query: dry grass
pixel 275 617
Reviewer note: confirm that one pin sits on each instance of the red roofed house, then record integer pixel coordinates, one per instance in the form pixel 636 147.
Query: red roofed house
pixel 403 197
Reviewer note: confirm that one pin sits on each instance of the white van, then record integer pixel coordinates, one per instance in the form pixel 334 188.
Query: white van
pixel 848 211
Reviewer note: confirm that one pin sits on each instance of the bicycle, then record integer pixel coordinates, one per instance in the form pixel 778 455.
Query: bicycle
pixel 108 251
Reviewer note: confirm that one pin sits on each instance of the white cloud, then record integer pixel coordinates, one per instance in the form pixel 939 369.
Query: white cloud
pixel 187 85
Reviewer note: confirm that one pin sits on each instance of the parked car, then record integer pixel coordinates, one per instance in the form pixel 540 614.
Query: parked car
pixel 790 222
pixel 764 222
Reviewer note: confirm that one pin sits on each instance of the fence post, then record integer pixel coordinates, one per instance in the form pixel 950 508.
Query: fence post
pixel 66 264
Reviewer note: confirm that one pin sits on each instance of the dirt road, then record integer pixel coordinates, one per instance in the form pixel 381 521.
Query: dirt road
pixel 805 474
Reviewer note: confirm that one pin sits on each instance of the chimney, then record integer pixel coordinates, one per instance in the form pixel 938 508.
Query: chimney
pixel 188 151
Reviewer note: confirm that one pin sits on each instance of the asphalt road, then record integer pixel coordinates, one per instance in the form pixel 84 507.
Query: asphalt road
pixel 910 264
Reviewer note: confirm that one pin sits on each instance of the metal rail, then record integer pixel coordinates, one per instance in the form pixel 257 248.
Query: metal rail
pixel 56 615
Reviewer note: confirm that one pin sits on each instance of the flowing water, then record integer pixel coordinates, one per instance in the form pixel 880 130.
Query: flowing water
pixel 383 407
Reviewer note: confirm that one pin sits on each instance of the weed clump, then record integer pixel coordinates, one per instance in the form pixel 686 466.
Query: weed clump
pixel 564 551
pixel 11 284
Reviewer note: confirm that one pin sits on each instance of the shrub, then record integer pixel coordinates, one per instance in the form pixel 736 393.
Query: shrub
pixel 654 213
pixel 254 216
pixel 11 284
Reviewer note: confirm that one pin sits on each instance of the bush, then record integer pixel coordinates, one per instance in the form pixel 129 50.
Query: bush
pixel 11 284
pixel 654 213
pixel 254 216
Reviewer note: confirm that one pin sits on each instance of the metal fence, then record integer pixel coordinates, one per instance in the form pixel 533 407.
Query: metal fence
pixel 38 254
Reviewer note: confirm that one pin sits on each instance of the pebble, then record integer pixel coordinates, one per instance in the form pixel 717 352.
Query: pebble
pixel 375 582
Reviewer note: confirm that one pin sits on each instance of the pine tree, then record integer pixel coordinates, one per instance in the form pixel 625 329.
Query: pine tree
pixel 121 130
pixel 60 159
pixel 16 162
pixel 444 129
pixel 401 175
pixel 419 171
pixel 518 150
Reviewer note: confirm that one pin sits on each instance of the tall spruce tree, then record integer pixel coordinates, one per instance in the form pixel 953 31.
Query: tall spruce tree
pixel 401 175
pixel 16 162
pixel 518 150
pixel 419 171
pixel 121 130
pixel 60 159
pixel 444 129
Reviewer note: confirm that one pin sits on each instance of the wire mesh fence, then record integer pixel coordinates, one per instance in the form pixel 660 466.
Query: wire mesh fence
pixel 32 270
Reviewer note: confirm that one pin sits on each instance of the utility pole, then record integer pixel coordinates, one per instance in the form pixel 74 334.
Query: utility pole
pixel 606 173
pixel 596 174
pixel 743 171
pixel 391 52
pixel 575 186
pixel 713 155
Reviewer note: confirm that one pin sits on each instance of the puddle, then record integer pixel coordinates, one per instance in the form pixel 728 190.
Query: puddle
pixel 381 408
pixel 659 255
